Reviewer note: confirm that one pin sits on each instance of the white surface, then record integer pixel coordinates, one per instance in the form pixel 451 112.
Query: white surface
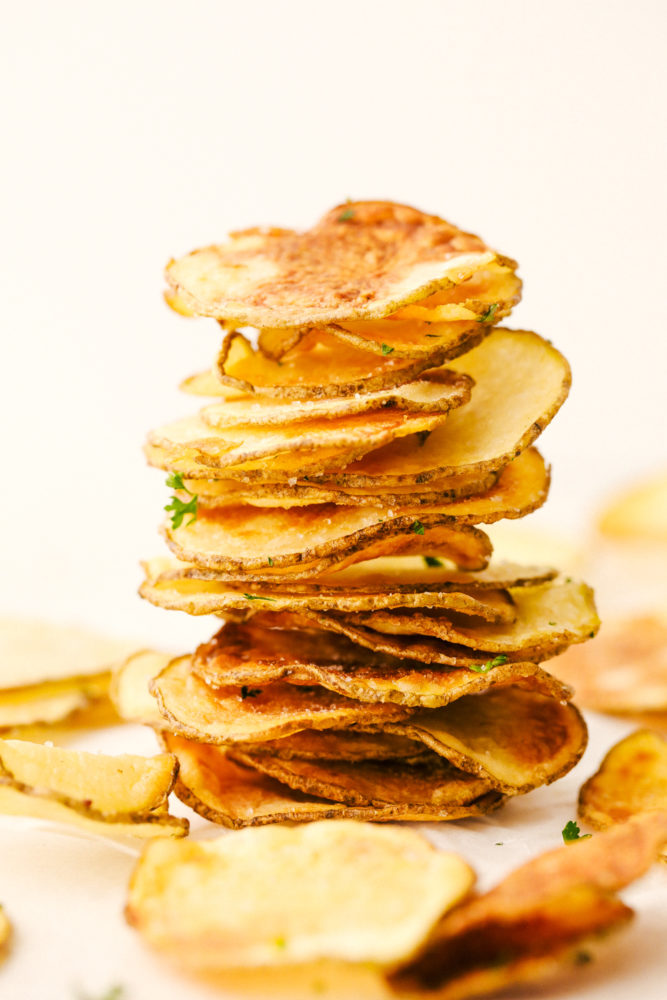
pixel 137 131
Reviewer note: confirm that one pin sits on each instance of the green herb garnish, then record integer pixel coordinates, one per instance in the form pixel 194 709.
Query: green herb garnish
pixel 483 668
pixel 487 316
pixel 270 561
pixel 583 958
pixel 553 623
pixel 180 508
pixel 247 692
pixel 386 349
pixel 417 527
pixel 258 597
pixel 432 562
pixel 346 215
pixel 571 832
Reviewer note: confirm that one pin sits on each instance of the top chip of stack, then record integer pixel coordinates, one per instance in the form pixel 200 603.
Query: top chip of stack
pixel 327 503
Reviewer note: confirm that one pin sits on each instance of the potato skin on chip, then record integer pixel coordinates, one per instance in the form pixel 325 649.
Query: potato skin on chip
pixel 527 926
pixel 371 895
pixel 362 260
pixel 223 792
pixel 632 779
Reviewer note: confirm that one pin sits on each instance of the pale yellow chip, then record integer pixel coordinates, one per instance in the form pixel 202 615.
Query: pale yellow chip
pixel 122 795
pixel 624 669
pixel 223 792
pixel 632 779
pixel 5 933
pixel 548 618
pixel 53 702
pixel 534 921
pixel 435 392
pixel 370 894
pixel 363 260
pixel 639 513
pixel 235 715
pixel 130 692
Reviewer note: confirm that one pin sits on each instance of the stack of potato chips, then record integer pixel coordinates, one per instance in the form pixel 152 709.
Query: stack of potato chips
pixel 327 502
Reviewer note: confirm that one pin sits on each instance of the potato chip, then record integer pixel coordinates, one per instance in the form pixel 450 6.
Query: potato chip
pixel 223 792
pixel 242 540
pixel 372 894
pixel 521 381
pixel 49 703
pixel 238 715
pixel 338 744
pixel 130 692
pixel 432 780
pixel 109 795
pixel 640 512
pixel 256 656
pixel 624 670
pixel 632 779
pixel 436 392
pixel 547 619
pixel 533 923
pixel 514 737
pixel 363 260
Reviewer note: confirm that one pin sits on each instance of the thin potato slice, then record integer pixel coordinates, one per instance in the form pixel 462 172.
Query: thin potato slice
pixel 34 652
pixel 534 921
pixel 256 656
pixel 130 692
pixel 548 618
pixel 371 894
pixel 243 540
pixel 125 795
pixel 632 779
pixel 363 260
pixel 233 715
pixel 515 738
pixel 521 381
pixel 223 792
pixel 435 392
pixel 624 670
pixel 322 367
pixel 338 744
pixel 431 780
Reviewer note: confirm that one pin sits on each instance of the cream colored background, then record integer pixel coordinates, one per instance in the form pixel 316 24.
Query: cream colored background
pixel 135 131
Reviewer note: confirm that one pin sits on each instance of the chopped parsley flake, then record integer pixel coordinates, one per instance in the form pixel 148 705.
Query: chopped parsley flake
pixel 583 958
pixel 571 832
pixel 487 316
pixel 483 668
pixel 417 527
pixel 346 215
pixel 553 623
pixel 432 562
pixel 247 692
pixel 258 597
pixel 270 561
pixel 386 349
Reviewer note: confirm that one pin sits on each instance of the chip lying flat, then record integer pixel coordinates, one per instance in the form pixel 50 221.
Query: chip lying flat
pixel 371 894
pixel 124 795
pixel 363 260
pixel 223 792
pixel 624 670
pixel 533 924
pixel 631 779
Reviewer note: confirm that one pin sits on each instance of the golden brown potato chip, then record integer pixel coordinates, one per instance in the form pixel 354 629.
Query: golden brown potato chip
pixel 339 744
pixel 436 392
pixel 110 795
pixel 514 737
pixel 243 540
pixel 308 445
pixel 624 670
pixel 534 920
pixel 223 792
pixel 432 780
pixel 323 367
pixel 548 618
pixel 521 381
pixel 631 779
pixel 371 894
pixel 640 512
pixel 240 715
pixel 363 260
pixel 256 656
